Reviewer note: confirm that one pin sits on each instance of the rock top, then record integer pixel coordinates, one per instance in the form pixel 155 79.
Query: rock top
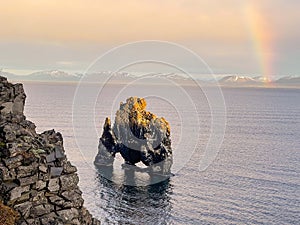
pixel 36 179
pixel 139 136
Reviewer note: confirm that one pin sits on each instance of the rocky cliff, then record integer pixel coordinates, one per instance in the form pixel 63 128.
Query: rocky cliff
pixel 38 185
pixel 138 135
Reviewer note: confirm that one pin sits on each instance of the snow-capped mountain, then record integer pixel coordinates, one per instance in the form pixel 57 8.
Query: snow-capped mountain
pixel 171 76
pixel 238 80
pixel 235 80
pixel 48 75
pixel 122 76
pixel 53 75
pixel 229 80
pixel 262 79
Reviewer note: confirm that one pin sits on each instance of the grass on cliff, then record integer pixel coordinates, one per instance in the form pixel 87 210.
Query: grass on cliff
pixel 7 215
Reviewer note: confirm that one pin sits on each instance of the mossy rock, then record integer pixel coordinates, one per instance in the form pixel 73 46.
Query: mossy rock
pixel 2 144
pixel 37 152
pixel 8 216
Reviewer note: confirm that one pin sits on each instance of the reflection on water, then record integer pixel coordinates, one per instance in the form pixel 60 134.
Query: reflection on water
pixel 134 204
pixel 254 180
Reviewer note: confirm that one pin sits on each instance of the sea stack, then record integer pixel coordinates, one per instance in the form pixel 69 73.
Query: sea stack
pixel 139 136
pixel 38 185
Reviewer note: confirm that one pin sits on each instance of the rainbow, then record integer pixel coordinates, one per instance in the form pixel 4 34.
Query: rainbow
pixel 261 35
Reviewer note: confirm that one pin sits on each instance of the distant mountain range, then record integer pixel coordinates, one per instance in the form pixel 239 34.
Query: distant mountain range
pixel 230 80
pixel 53 75
pixel 57 75
pixel 235 80
pixel 289 80
pixel 49 75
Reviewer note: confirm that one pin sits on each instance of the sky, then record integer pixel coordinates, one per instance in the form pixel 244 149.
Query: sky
pixel 232 36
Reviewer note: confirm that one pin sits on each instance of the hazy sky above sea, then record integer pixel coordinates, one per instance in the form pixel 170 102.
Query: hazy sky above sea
pixel 232 36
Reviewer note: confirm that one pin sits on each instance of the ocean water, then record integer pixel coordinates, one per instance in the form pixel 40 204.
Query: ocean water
pixel 255 178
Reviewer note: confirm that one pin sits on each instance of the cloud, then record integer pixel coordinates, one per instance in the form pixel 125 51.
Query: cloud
pixel 65 63
pixel 55 33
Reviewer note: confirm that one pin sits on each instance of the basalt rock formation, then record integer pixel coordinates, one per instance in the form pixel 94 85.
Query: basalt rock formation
pixel 139 136
pixel 38 185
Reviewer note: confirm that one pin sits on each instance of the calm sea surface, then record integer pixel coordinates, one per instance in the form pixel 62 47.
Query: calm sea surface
pixel 255 178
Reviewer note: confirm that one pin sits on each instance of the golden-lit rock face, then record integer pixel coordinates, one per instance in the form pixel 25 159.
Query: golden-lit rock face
pixel 165 125
pixel 137 134
pixel 107 122
pixel 139 103
pixel 139 119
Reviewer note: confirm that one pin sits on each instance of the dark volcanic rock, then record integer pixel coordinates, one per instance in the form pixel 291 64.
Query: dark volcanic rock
pixel 37 182
pixel 139 136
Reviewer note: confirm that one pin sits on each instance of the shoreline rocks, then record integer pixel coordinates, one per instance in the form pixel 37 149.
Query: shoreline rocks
pixel 36 179
pixel 139 136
